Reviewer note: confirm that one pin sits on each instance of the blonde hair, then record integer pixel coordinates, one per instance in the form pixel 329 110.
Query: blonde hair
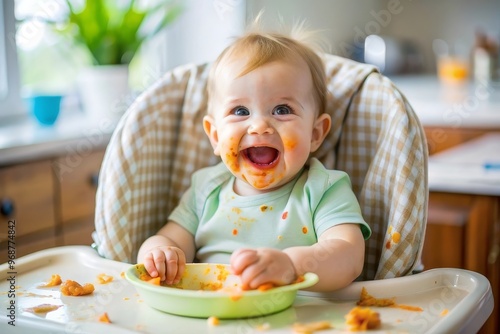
pixel 262 48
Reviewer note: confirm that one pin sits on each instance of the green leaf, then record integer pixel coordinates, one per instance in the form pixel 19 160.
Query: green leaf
pixel 111 33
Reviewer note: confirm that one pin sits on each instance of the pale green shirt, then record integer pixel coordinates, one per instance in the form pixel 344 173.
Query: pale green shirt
pixel 294 215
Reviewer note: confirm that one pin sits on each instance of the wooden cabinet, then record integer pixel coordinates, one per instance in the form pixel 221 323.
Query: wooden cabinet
pixel 77 189
pixel 463 230
pixel 51 201
pixel 27 198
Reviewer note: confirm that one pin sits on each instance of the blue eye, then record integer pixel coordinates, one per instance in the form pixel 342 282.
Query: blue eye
pixel 282 110
pixel 241 111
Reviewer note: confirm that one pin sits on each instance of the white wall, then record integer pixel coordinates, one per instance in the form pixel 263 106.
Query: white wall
pixel 347 21
pixel 203 31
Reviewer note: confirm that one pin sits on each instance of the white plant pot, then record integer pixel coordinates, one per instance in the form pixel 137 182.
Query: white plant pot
pixel 104 91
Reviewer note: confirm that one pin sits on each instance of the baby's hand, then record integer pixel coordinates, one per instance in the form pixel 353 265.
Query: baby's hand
pixel 167 262
pixel 262 265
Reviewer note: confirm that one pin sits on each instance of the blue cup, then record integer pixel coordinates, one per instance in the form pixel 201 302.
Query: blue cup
pixel 46 108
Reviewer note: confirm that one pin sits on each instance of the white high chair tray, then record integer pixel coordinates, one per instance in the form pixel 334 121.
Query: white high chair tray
pixel 453 301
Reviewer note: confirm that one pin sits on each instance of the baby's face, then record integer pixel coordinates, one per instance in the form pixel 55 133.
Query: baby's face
pixel 264 124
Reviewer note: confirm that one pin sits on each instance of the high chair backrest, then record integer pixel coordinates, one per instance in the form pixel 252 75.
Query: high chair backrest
pixel 376 138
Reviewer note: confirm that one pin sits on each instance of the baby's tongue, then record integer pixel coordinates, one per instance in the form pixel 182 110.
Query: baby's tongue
pixel 262 155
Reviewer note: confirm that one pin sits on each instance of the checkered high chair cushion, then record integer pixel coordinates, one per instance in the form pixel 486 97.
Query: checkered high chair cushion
pixel 376 138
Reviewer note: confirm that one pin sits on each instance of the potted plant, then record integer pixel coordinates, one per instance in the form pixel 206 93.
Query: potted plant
pixel 112 31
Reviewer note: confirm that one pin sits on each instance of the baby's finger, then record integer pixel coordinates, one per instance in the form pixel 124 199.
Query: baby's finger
pixel 241 259
pixel 172 260
pixel 180 268
pixel 159 260
pixel 149 264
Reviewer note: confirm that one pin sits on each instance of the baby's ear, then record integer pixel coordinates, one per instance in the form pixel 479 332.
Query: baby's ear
pixel 211 131
pixel 320 130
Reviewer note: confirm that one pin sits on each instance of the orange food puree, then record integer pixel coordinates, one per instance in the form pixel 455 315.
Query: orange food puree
pixel 362 318
pixel 43 308
pixel 368 300
pixel 55 280
pixel 221 274
pixel 104 318
pixel 104 279
pixel 72 288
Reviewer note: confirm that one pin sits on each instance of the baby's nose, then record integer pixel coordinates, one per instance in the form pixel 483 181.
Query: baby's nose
pixel 260 126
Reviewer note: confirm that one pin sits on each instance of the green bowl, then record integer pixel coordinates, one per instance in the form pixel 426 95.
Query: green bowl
pixel 209 290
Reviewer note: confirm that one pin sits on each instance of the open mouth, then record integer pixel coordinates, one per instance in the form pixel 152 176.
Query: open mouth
pixel 262 156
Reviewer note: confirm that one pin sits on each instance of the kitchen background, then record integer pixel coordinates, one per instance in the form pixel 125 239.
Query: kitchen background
pixel 49 173
pixel 408 28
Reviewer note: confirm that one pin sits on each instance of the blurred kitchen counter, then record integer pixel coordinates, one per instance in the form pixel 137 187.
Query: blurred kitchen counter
pixel 48 180
pixel 464 214
pixel 458 105
pixel 72 134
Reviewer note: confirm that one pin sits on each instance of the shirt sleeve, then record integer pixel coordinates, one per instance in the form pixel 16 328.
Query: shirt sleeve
pixel 185 213
pixel 339 206
pixel 332 200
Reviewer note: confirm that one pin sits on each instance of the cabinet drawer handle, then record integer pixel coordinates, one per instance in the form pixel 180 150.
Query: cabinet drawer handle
pixel 493 255
pixel 7 207
pixel 94 179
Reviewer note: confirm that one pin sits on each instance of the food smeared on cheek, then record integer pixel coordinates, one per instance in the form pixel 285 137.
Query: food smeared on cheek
pixel 231 156
pixel 289 144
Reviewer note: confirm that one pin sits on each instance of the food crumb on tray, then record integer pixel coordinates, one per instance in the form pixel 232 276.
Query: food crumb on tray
pixel 43 308
pixel 263 327
pixel 213 321
pixel 362 318
pixel 104 318
pixel 368 300
pixel 72 288
pixel 55 280
pixel 311 327
pixel 104 278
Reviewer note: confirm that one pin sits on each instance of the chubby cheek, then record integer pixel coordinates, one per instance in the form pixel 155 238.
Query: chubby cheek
pixel 296 148
pixel 289 144
pixel 229 154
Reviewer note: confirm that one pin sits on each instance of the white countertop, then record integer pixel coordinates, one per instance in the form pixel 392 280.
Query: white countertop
pixel 72 133
pixel 468 105
pixel 472 167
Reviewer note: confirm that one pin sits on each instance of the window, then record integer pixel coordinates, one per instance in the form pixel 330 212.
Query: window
pixel 46 62
pixel 10 100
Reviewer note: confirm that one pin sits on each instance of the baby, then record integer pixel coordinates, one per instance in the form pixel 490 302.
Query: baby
pixel 269 209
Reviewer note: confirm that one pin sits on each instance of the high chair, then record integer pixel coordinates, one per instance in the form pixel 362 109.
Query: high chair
pixel 375 137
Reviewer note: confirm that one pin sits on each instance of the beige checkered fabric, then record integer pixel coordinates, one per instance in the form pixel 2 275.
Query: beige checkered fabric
pixel 376 138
